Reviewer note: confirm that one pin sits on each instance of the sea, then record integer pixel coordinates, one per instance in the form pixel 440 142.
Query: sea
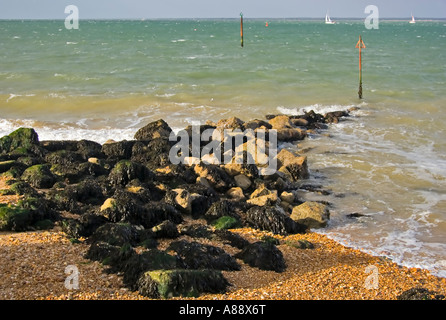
pixel 385 163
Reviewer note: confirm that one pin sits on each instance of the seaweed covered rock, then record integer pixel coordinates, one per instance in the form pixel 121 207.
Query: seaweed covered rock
pixel 126 170
pixel 272 218
pixel 29 213
pixel 116 234
pixel 201 256
pixel 263 255
pixel 23 138
pixel 39 176
pixel 418 293
pixel 153 130
pixel 181 283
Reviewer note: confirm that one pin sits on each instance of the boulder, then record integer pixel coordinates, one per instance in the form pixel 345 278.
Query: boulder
pixel 126 170
pixel 311 214
pixel 39 176
pixel 153 130
pixel 295 165
pixel 181 283
pixel 236 194
pixel 420 294
pixel 272 218
pixel 200 256
pixel 291 134
pixel 217 177
pixel 281 122
pixel 116 234
pixel 116 151
pixel 263 255
pixel 23 138
pixel 166 229
pixel 242 181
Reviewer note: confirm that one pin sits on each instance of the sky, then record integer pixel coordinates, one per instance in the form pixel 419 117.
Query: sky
pixel 160 9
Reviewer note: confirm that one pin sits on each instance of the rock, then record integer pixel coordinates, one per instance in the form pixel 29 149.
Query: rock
pixel 257 124
pixel 87 224
pixel 299 122
pixel 420 294
pixel 137 264
pixel 26 214
pixel 116 234
pixel 219 209
pixel 39 176
pixel 263 197
pixel 183 199
pixel 6 165
pixel 265 200
pixel 295 165
pixel 272 218
pixel 281 122
pixel 217 177
pixel 106 253
pixel 291 134
pixel 242 181
pixel 166 229
pixel 201 256
pixel 287 197
pixel 236 194
pixel 181 283
pixel 311 214
pixel 23 138
pixel 235 169
pixel 156 129
pixel 333 117
pixel 263 255
pixel 156 212
pixel 126 170
pixel 116 151
pixel 232 239
pixel 231 123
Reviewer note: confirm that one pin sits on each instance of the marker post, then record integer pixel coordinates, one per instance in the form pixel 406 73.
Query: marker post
pixel 241 28
pixel 360 45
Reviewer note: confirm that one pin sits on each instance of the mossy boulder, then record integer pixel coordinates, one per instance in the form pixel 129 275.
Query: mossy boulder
pixel 200 256
pixel 14 218
pixel 153 130
pixel 126 171
pixel 263 255
pixel 181 283
pixel 22 138
pixel 39 176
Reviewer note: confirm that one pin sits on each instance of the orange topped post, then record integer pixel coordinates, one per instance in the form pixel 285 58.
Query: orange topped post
pixel 360 45
pixel 241 27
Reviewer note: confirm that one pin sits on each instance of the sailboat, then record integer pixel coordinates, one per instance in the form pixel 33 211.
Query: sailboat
pixel 328 20
pixel 413 19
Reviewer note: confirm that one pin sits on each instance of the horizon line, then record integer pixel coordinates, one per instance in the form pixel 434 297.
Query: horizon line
pixel 225 18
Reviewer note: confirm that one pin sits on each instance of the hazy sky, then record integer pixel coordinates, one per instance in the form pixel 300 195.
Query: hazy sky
pixel 138 9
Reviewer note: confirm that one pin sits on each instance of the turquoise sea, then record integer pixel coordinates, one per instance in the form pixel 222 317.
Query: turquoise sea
pixel 387 161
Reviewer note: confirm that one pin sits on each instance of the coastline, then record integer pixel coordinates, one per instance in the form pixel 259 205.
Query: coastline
pixel 314 267
pixel 34 263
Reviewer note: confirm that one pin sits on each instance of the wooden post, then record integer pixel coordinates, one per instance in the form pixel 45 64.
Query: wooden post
pixel 360 45
pixel 241 28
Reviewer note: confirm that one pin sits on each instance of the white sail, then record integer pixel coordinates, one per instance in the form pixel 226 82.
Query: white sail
pixel 413 19
pixel 328 20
